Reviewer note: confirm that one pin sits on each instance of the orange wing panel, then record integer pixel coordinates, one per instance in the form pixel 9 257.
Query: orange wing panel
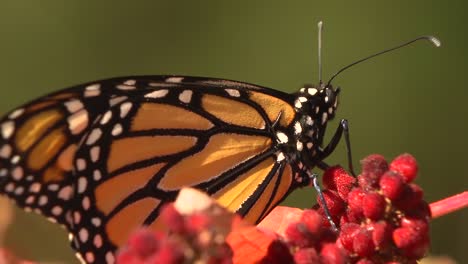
pixel 232 112
pixel 130 218
pixel 46 149
pixel 221 153
pixel 110 193
pixel 133 149
pixel 155 116
pixel 237 192
pixel 283 188
pixel 273 107
pixel 35 127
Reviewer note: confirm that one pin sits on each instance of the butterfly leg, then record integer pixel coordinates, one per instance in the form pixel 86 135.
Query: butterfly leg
pixel 314 177
pixel 343 128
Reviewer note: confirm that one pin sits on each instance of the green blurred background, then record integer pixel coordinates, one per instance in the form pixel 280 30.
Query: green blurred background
pixel 413 100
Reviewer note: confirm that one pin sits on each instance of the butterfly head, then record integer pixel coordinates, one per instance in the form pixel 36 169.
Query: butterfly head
pixel 317 102
pixel 315 105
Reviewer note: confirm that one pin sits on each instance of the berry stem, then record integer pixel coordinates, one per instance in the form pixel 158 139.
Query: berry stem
pixel 450 204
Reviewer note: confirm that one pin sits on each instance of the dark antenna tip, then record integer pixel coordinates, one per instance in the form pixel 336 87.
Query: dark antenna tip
pixel 435 41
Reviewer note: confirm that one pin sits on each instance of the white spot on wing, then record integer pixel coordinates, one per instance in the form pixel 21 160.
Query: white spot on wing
pixel 174 79
pixel 65 193
pixel 10 187
pixel 97 175
pixel 80 164
pixel 86 203
pixel 17 173
pixel 74 105
pixel 19 190
pixel 96 221
pixel 92 93
pixel 82 184
pixel 157 94
pixel 5 151
pixel 186 96
pixel 89 257
pixel 7 129
pixel 35 187
pixel 83 235
pixel 94 153
pixel 124 87
pixel 117 100
pixel 124 109
pixel 117 130
pixel 16 113
pixel 93 87
pixel 57 210
pixel 42 200
pixel 130 82
pixel 78 121
pixel 110 259
pixel 233 92
pixel 94 136
pixel 106 117
pixel 97 241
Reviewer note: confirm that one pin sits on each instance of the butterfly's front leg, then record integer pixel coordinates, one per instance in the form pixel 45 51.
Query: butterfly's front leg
pixel 343 128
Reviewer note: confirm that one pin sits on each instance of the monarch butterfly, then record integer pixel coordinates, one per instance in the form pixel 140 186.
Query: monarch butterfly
pixel 103 157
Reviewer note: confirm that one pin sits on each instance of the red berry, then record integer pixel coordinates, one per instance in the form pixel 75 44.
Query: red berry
pixel 334 203
pixel 373 167
pixel 373 206
pixel 313 221
pixel 144 242
pixel 337 179
pixel 406 165
pixel 347 234
pixel 410 198
pixel 391 185
pixel 355 199
pixel 173 219
pixel 128 256
pixel 404 237
pixel 278 253
pixel 417 250
pixel 306 256
pixel 198 222
pixel 363 245
pixel 420 225
pixel 331 254
pixel 365 261
pixel 298 235
pixel 169 253
pixel 381 233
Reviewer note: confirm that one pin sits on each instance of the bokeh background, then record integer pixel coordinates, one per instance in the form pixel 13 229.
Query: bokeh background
pixel 413 100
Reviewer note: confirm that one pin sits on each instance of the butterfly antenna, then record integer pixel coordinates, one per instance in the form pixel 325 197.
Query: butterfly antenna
pixel 320 29
pixel 436 42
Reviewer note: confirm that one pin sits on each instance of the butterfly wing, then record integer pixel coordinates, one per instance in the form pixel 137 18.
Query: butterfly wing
pixel 155 134
pixel 37 147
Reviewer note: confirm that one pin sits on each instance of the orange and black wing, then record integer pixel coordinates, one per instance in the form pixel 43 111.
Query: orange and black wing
pixel 159 134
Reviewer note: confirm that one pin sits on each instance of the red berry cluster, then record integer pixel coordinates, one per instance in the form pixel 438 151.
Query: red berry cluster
pixel 195 238
pixel 311 241
pixel 381 213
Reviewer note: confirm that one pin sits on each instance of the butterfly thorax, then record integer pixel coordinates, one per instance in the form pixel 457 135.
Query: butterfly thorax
pixel 315 106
